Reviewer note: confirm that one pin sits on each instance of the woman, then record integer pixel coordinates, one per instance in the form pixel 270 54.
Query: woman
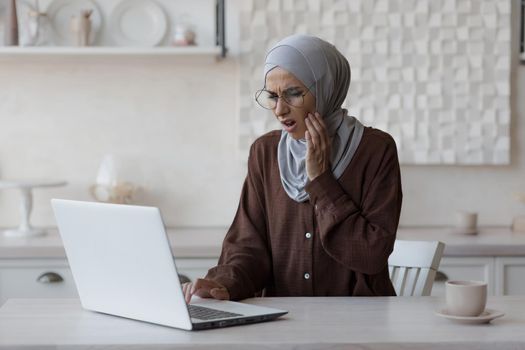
pixel 320 205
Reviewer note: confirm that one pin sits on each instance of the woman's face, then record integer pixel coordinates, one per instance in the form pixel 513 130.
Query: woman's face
pixel 280 82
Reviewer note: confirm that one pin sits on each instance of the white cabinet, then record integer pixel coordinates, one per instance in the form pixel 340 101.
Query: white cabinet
pixel 52 278
pixel 464 268
pixel 504 275
pixel 510 276
pixel 36 278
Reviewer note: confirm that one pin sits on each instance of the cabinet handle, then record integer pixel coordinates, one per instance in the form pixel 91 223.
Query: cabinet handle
pixel 49 277
pixel 440 277
pixel 184 279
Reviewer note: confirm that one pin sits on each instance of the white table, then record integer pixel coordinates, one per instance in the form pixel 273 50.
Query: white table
pixel 312 323
pixel 26 204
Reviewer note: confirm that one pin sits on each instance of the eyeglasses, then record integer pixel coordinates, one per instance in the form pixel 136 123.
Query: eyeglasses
pixel 293 96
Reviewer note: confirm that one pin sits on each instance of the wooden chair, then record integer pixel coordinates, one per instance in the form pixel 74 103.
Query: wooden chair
pixel 413 266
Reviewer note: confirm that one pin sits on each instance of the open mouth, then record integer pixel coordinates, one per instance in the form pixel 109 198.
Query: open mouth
pixel 289 125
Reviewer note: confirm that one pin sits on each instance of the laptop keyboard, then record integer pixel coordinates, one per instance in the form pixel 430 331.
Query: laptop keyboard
pixel 204 313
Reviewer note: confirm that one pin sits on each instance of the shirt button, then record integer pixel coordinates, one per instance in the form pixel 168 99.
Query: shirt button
pixel 307 276
pixel 308 235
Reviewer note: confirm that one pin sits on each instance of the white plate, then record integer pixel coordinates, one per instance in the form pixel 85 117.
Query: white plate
pixel 138 23
pixel 60 13
pixel 22 9
pixel 487 316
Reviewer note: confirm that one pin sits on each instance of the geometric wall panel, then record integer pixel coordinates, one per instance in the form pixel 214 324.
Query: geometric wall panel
pixel 435 74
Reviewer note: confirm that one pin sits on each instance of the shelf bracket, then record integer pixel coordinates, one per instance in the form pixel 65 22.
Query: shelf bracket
pixel 522 32
pixel 220 27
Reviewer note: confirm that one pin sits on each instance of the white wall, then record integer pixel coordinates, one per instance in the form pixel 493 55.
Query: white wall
pixel 178 121
pixel 175 122
pixel 432 193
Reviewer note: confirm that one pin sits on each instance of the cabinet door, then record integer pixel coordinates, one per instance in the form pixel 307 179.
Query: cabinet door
pixel 195 268
pixel 464 268
pixel 36 278
pixel 510 276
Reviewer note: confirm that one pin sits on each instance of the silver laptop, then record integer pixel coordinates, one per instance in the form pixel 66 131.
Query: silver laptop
pixel 122 265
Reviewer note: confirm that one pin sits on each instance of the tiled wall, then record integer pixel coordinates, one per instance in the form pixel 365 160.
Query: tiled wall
pixel 433 73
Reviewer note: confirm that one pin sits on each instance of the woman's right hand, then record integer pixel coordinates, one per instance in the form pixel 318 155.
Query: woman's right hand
pixel 205 288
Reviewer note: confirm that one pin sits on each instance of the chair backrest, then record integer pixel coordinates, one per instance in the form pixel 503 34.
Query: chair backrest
pixel 413 265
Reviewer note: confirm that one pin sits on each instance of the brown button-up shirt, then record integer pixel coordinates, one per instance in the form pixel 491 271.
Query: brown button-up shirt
pixel 335 244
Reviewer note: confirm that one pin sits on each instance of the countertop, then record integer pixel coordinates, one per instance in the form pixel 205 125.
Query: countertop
pixel 312 323
pixel 205 242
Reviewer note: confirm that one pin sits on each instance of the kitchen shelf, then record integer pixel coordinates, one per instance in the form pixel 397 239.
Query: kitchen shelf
pixel 7 51
pixel 217 49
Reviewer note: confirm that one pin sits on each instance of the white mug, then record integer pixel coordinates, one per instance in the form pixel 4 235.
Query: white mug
pixel 466 222
pixel 466 298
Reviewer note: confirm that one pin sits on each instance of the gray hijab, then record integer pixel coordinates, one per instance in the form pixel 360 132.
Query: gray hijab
pixel 319 64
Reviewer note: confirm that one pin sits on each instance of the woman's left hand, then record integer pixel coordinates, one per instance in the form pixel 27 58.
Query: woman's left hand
pixel 318 146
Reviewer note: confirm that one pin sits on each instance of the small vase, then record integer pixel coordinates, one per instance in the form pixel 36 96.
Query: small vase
pixel 81 28
pixel 11 25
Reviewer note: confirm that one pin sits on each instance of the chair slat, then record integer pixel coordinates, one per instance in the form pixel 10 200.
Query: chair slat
pixel 412 277
pixel 399 284
pixel 413 265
